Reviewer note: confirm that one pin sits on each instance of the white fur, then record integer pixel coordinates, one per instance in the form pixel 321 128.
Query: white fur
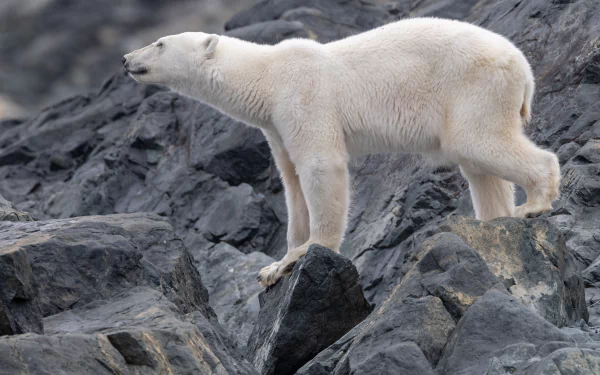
pixel 434 86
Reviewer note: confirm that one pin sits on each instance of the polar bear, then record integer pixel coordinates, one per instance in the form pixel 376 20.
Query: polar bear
pixel 444 88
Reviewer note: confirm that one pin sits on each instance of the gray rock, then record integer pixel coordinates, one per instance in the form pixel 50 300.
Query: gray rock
pixel 592 273
pixel 344 20
pixel 132 148
pixel 77 261
pixel 138 331
pixel 394 215
pixel 52 49
pixel 270 32
pixel 400 358
pixel 578 210
pixel 566 151
pixel 566 359
pixel 70 354
pixel 531 258
pixel 451 271
pixel 446 277
pixel 495 321
pixel 230 278
pixel 582 334
pixel 592 299
pixel 306 312
pixel 19 295
pixel 8 212
pixel 550 358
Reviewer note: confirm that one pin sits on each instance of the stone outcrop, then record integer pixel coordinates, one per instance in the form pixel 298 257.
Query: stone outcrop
pixel 531 259
pixel 119 294
pixel 19 294
pixel 306 312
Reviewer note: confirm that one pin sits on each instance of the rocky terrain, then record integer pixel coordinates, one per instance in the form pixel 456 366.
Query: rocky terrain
pixel 53 49
pixel 136 220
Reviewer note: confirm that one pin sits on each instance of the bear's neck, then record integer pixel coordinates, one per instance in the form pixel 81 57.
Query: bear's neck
pixel 239 84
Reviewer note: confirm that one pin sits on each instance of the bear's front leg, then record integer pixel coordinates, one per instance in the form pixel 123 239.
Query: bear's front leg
pixel 325 183
pixel 298 230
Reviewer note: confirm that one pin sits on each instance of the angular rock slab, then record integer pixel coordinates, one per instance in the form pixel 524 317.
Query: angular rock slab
pixel 306 312
pixel 531 258
pixel 138 331
pixel 8 212
pixel 230 278
pixel 19 301
pixel 76 261
pixel 446 277
pixel 577 213
pixel 498 335
pixel 72 354
pixel 564 358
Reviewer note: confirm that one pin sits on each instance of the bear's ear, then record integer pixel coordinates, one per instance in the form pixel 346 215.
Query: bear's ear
pixel 210 44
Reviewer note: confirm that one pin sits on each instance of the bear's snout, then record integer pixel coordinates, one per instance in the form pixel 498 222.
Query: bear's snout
pixel 133 68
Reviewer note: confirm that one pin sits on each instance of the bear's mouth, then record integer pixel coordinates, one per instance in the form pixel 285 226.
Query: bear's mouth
pixel 138 71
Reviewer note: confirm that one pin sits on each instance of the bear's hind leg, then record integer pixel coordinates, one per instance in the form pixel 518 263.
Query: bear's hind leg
pixel 492 196
pixel 543 191
pixel 516 159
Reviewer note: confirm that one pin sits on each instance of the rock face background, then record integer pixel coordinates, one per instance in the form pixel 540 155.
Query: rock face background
pixel 189 207
pixel 57 48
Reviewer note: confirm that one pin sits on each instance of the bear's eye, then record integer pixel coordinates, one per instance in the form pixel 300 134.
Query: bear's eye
pixel 160 44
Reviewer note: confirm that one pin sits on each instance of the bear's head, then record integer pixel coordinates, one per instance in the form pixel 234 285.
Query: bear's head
pixel 172 60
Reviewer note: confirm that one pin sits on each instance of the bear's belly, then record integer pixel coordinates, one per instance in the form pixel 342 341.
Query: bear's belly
pixel 394 137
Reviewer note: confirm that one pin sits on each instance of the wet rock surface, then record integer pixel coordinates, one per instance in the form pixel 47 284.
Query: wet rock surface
pixel 439 285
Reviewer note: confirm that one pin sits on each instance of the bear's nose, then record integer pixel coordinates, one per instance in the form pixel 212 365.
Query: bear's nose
pixel 124 60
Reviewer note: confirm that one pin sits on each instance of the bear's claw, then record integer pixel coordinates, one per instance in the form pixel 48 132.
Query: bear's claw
pixel 269 274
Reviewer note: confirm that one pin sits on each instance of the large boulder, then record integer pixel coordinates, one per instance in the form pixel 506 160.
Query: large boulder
pixel 561 358
pixel 77 261
pixel 499 335
pixel 120 294
pixel 592 298
pixel 306 312
pixel 8 212
pixel 446 277
pixel 53 49
pixel 19 294
pixel 128 148
pixel 137 331
pixel 531 258
pixel 230 278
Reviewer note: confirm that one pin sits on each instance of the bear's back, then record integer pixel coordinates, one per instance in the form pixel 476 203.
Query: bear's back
pixel 424 40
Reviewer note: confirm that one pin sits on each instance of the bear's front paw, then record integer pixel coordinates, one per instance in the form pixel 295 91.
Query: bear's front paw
pixel 269 275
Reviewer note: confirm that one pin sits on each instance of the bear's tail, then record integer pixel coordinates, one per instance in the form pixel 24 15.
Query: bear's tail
pixel 527 97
